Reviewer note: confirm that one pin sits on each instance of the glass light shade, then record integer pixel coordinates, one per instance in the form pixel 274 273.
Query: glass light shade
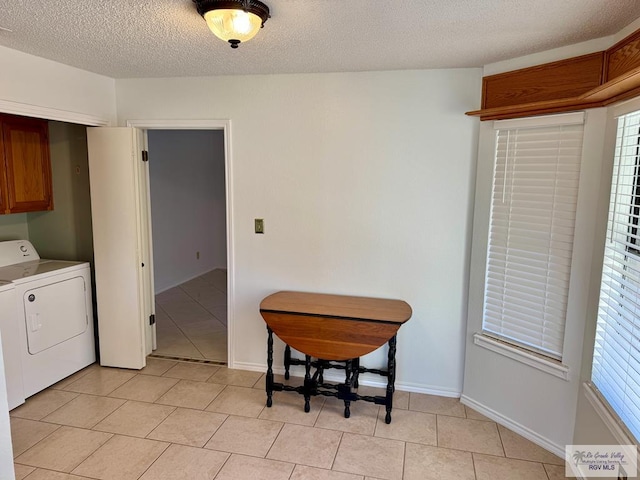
pixel 230 24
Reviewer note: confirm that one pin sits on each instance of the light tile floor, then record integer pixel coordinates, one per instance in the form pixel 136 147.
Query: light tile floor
pixel 179 420
pixel 191 319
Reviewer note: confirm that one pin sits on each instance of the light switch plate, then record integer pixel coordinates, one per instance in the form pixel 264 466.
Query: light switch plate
pixel 259 225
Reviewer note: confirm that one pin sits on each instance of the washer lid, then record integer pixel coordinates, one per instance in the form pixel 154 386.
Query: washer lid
pixel 4 286
pixel 17 251
pixel 27 270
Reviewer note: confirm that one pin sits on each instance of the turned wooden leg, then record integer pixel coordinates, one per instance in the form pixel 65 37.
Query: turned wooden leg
pixel 356 371
pixel 321 364
pixel 287 361
pixel 307 383
pixel 347 382
pixel 391 379
pixel 269 377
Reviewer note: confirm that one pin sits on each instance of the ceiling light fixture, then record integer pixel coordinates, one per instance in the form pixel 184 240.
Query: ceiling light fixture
pixel 233 21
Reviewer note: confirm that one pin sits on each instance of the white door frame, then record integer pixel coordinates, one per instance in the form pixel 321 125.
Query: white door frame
pixel 225 126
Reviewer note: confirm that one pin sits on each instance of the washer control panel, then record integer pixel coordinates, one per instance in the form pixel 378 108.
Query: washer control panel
pixel 17 251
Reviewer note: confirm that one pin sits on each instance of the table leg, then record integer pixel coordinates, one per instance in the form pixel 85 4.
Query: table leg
pixel 307 383
pixel 391 379
pixel 287 361
pixel 269 377
pixel 356 371
pixel 321 364
pixel 348 378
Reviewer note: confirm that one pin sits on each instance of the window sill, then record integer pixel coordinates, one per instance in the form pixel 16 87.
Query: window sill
pixel 536 361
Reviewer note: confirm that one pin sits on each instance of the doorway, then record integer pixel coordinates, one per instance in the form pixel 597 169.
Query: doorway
pixel 188 219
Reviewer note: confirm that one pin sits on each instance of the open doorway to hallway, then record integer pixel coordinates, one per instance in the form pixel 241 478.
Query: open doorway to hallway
pixel 188 216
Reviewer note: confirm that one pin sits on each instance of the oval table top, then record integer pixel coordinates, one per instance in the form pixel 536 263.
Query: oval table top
pixel 333 327
pixel 338 306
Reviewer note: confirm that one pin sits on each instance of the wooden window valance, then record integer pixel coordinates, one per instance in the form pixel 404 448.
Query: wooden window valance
pixel 588 81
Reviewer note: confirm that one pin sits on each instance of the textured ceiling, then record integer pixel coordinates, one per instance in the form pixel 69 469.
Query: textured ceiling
pixel 167 38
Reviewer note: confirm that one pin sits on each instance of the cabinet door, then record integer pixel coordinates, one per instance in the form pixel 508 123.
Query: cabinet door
pixel 3 178
pixel 27 164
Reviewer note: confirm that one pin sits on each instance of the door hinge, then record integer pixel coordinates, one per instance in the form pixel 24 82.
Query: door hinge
pixel 145 156
pixel 152 319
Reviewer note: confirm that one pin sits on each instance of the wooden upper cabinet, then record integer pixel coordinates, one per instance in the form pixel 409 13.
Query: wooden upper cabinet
pixel 551 81
pixel 3 179
pixel 589 81
pixel 623 57
pixel 27 165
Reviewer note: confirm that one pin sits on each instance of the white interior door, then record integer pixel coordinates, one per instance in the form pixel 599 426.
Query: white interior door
pixel 119 205
pixel 146 239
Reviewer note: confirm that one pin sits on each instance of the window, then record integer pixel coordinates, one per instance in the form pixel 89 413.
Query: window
pixel 616 359
pixel 533 205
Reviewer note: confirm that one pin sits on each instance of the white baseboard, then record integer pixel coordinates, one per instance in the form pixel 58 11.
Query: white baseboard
pixel 252 367
pixel 514 426
pixel 427 389
pixel 173 285
pixel 365 379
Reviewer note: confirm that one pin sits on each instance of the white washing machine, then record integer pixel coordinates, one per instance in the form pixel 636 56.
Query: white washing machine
pixel 53 312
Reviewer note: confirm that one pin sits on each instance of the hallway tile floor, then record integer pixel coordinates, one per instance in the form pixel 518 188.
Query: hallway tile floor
pixel 180 420
pixel 191 319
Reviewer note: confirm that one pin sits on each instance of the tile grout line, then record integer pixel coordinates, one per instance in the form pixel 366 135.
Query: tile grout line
pixel 473 462
pixel 58 427
pixel 333 462
pixel 274 440
pixel 51 412
pixel 216 431
pixel 87 370
pixel 223 464
pixel 501 441
pixel 203 306
pixel 184 334
pixel 106 416
pixel 404 457
pixel 92 453
pixel 169 444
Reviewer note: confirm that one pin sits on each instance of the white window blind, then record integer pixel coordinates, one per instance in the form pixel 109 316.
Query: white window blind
pixel 535 191
pixel 616 358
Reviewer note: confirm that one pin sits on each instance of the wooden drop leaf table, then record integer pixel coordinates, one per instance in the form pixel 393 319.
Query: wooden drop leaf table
pixel 335 330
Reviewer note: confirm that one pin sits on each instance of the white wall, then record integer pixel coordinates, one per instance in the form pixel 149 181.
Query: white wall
pixel 365 184
pixel 29 84
pixel 14 227
pixel 188 205
pixel 65 232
